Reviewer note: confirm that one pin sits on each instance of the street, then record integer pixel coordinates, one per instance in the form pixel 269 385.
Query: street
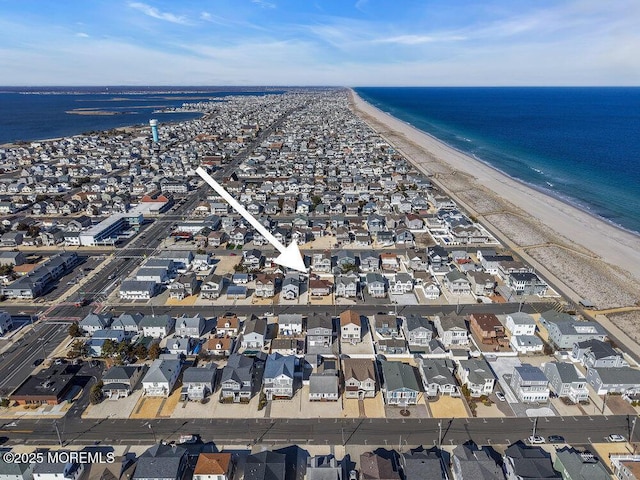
pixel 363 431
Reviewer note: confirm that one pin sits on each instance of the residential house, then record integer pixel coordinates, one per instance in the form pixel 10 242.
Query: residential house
pixel 156 326
pixel 418 331
pixel 437 376
pixel 324 384
pixel 228 325
pixel 100 337
pixel 457 283
pixel 399 384
pixel 476 375
pixel 624 380
pixel 291 286
pixel 376 467
pixel 199 382
pixel 161 377
pixel 526 283
pixel 290 324
pixel 214 466
pixel 376 285
pixel 120 381
pixel 598 354
pixel 526 344
pixel 422 464
pixel 320 287
pixel 183 286
pixel 324 467
pixel 137 290
pixel 359 378
pixel 488 329
pixel 574 464
pixel 129 323
pixel 279 375
pixel 400 284
pixel 69 470
pixel 16 470
pixel 369 261
pixel 94 322
pixel 482 284
pixel 265 285
pixel 265 465
pixel 520 323
pixel 319 334
pixel 346 286
pixel 321 262
pixel 255 332
pixel 566 381
pixel 212 286
pixel 6 323
pixel 350 326
pixel 472 463
pixel 522 462
pixel 190 326
pixel 237 380
pixel 219 347
pixel 565 330
pixel 161 462
pixel 529 384
pixel 452 330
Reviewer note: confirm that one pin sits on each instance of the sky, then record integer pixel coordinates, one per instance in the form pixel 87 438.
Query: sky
pixel 320 42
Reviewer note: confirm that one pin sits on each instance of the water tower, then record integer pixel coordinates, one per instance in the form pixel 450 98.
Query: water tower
pixel 153 123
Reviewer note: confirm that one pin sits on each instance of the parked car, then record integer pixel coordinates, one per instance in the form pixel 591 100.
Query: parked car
pixel 37 362
pixel 555 439
pixel 536 439
pixel 500 396
pixel 616 437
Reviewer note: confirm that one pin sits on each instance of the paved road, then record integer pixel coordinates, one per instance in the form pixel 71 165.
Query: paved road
pixel 37 343
pixel 576 430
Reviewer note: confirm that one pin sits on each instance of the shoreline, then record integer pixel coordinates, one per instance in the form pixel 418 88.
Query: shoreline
pixel 557 234
pixel 565 199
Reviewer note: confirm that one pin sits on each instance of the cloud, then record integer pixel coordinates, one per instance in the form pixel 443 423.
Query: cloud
pixel 360 4
pixel 420 39
pixel 82 35
pixel 205 16
pixel 153 12
pixel 264 3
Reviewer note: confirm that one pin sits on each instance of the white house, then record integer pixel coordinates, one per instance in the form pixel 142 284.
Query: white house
pixel 161 377
pixel 520 323
pixel 156 326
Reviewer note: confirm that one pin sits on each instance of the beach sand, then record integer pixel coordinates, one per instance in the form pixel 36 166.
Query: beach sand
pixel 584 257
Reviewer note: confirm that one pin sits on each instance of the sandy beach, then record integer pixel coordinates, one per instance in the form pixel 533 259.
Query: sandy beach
pixel 582 255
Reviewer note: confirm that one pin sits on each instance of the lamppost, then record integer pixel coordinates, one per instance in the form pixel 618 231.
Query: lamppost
pixel 153 432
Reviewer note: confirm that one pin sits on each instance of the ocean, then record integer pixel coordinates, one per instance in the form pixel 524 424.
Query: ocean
pixel 38 113
pixel 581 145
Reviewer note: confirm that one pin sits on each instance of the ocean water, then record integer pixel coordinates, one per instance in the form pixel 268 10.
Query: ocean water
pixel 28 114
pixel 581 145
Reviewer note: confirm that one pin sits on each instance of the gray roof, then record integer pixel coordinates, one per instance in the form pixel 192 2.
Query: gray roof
pixel 479 370
pixel 279 365
pixel 323 383
pixel 162 370
pixel 238 368
pixel 257 325
pixel 160 461
pixel 522 318
pixel 530 373
pixel 477 463
pixel 399 375
pixel 205 374
pixel 155 321
pixel 531 462
pixel 137 286
pixel 567 372
pixel 265 466
pixel 121 373
pixel 437 370
pixel 414 322
pixel 423 465
pixel 127 320
pixel 598 348
pixel 579 465
pixel 620 376
pixel 292 318
pixel 96 320
pixel 323 467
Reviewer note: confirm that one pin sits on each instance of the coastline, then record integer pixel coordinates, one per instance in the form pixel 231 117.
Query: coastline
pixel 565 242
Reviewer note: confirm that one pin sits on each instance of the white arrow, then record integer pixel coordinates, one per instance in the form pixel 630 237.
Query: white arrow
pixel 289 256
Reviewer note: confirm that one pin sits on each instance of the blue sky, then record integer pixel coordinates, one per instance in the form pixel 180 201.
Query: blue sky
pixel 320 42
